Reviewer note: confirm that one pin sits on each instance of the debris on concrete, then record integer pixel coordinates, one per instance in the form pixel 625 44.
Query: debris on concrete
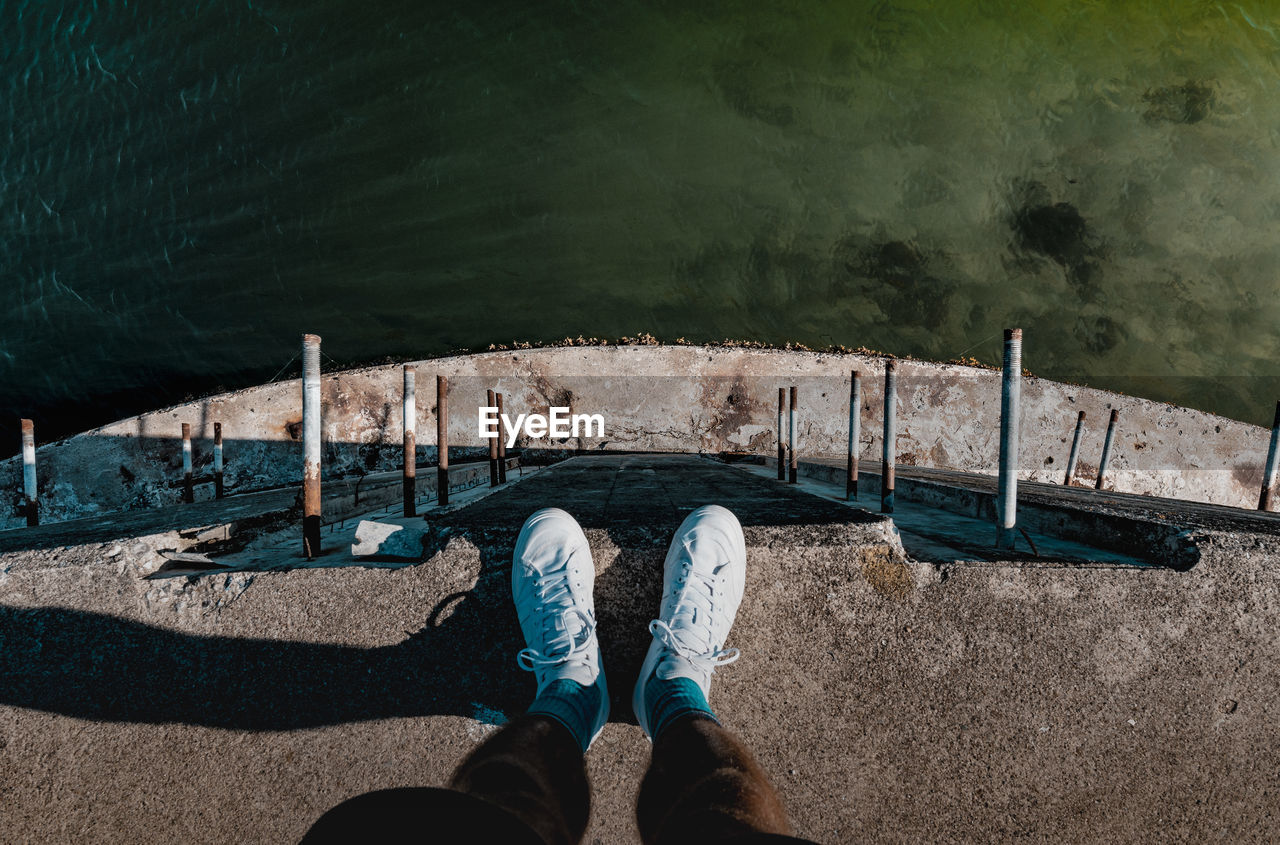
pixel 389 541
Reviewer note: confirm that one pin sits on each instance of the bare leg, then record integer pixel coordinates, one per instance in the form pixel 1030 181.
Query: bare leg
pixel 703 785
pixel 532 768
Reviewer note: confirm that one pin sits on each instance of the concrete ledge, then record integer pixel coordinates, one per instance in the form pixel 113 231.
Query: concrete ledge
pixel 1163 543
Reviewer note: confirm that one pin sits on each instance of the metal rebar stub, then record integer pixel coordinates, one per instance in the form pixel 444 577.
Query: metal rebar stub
pixel 502 441
pixel 188 492
pixel 855 433
pixel 793 466
pixel 493 443
pixel 1106 449
pixel 311 445
pixel 30 492
pixel 442 441
pixel 1010 416
pixel 1272 467
pixel 218 489
pixel 890 453
pixel 410 425
pixel 1075 450
pixel 782 434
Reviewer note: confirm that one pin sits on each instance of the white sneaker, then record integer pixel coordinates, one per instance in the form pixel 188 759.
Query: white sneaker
pixel 552 578
pixel 704 576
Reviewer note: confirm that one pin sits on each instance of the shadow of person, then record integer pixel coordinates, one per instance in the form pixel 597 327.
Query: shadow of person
pixel 106 668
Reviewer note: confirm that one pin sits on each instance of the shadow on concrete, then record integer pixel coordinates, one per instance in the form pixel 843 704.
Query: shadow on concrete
pixel 104 668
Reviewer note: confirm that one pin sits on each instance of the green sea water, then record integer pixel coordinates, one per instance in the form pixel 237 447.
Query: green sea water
pixel 186 188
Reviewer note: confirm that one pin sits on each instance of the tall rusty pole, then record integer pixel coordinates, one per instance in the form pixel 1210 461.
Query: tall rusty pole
pixel 493 442
pixel 1272 466
pixel 855 432
pixel 1106 448
pixel 502 441
pixel 311 445
pixel 1010 417
pixel 1075 450
pixel 792 467
pixel 188 492
pixel 29 490
pixel 442 441
pixel 218 489
pixel 410 411
pixel 782 434
pixel 890 454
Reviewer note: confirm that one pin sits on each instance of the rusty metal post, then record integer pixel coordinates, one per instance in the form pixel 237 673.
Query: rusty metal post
pixel 493 442
pixel 782 434
pixel 1106 448
pixel 218 489
pixel 442 441
pixel 1272 466
pixel 855 432
pixel 410 479
pixel 890 455
pixel 502 442
pixel 792 467
pixel 188 492
pixel 1075 450
pixel 1010 418
pixel 30 492
pixel 311 445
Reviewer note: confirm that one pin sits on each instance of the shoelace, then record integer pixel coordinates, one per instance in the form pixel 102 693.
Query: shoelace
pixel 695 607
pixel 704 662
pixel 560 646
pixel 530 659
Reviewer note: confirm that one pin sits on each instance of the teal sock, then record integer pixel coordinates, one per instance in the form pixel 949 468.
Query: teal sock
pixel 571 704
pixel 668 700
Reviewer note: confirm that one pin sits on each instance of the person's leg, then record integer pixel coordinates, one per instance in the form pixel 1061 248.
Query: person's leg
pixel 703 785
pixel 528 781
pixel 532 768
pixel 528 778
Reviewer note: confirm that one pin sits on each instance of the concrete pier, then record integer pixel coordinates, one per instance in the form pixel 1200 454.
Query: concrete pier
pixel 914 679
pixel 662 399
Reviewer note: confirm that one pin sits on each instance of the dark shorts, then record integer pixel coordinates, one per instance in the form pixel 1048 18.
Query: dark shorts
pixel 431 814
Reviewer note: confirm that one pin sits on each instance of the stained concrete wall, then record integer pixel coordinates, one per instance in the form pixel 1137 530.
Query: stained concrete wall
pixel 665 398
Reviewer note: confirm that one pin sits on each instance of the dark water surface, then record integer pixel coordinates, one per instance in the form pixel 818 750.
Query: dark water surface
pixel 187 187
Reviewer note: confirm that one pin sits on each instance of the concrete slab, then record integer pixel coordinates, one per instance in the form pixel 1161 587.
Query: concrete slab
pixel 889 700
pixel 937 535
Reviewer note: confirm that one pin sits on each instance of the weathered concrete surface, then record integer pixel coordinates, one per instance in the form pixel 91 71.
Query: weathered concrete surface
pixel 1158 530
pixel 673 398
pixel 889 701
